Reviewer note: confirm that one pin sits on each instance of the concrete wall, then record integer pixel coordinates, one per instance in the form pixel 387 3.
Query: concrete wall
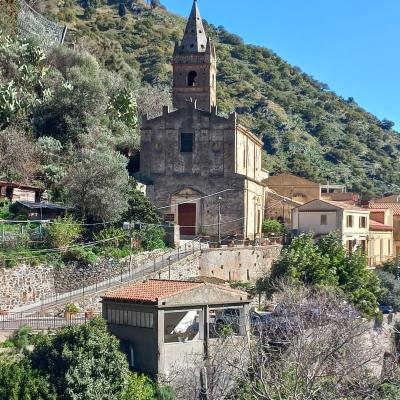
pixel 144 341
pixel 239 264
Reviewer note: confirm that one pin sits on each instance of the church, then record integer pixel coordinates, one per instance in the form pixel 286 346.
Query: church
pixel 203 170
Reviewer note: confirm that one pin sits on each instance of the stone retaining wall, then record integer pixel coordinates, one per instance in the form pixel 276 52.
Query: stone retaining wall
pixel 24 284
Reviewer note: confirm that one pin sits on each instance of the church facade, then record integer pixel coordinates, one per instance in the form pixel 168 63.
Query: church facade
pixel 196 161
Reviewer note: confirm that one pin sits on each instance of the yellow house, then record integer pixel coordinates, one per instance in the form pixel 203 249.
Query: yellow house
pixel 322 217
pixel 380 248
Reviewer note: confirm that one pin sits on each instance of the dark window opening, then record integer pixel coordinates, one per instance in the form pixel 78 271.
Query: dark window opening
pixel 192 78
pixel 186 142
pixel 192 45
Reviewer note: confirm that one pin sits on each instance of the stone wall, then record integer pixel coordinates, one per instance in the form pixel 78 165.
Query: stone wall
pixel 184 269
pixel 245 264
pixel 24 284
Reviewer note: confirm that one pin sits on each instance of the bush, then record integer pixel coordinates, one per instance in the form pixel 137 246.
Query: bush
pixel 152 237
pixel 112 239
pixel 272 226
pixel 63 232
pixel 82 255
pixel 140 387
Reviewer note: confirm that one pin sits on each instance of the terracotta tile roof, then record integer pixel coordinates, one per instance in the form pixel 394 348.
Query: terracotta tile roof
pixel 378 226
pixel 395 207
pixel 344 197
pixel 345 206
pixel 394 198
pixel 151 291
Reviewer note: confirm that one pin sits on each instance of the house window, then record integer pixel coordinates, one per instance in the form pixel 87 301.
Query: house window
pixel 389 247
pixel 186 142
pixel 192 78
pixel 350 221
pixel 363 246
pixel 324 219
pixel 248 274
pixel 130 318
pixel 363 222
pixel 350 246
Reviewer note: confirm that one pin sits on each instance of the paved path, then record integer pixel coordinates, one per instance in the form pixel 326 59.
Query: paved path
pixel 185 249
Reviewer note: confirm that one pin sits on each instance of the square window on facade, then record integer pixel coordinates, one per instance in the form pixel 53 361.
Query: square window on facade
pixel 363 222
pixel 186 142
pixel 349 221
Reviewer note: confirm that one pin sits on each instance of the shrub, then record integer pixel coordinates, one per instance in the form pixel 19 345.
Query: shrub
pixel 140 387
pixel 272 226
pixel 72 308
pixel 63 232
pixel 152 237
pixel 80 254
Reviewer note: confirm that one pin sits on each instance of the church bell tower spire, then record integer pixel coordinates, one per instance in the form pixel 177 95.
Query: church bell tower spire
pixel 194 66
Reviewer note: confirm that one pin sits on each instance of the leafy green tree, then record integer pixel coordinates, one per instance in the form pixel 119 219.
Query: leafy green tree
pixel 97 182
pixel 326 263
pixel 140 208
pixel 75 104
pixel 140 387
pixel 152 237
pixel 82 362
pixel 19 381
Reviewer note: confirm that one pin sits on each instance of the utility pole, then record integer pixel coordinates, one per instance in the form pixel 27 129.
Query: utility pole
pixel 219 220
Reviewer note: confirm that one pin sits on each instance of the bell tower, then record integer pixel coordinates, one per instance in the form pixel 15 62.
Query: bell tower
pixel 195 66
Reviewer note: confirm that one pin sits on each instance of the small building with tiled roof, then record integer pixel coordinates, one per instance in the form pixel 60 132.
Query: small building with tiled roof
pixel 360 228
pixel 165 325
pixel 322 217
pixel 390 203
pixel 381 238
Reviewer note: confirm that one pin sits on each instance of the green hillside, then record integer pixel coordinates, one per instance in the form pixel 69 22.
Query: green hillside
pixel 307 129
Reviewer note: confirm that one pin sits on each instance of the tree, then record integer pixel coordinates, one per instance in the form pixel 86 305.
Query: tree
pixel 140 387
pixel 82 362
pixel 387 125
pixel 63 232
pixel 18 156
pixel 19 381
pixel 98 179
pixel 155 3
pixel 311 349
pixel 152 237
pixel 140 208
pixel 326 263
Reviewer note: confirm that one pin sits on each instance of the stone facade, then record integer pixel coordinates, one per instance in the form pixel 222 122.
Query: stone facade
pixel 294 188
pixel 190 154
pixel 195 66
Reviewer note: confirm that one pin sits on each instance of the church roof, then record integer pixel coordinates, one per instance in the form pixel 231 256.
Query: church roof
pixel 195 39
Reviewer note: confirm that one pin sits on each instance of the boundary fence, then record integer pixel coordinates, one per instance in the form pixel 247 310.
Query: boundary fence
pixel 14 321
pixel 128 272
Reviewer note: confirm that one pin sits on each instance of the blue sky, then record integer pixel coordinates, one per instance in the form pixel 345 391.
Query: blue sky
pixel 352 45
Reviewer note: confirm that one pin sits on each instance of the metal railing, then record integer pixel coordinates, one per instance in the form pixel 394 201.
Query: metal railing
pixel 14 321
pixel 127 272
